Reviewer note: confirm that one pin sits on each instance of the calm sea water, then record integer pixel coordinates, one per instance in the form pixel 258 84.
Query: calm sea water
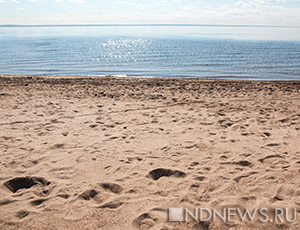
pixel 257 53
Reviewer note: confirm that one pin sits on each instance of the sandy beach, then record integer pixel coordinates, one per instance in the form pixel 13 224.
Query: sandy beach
pixel 117 153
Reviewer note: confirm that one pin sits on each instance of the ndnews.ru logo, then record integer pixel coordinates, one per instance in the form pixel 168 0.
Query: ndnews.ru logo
pixel 232 215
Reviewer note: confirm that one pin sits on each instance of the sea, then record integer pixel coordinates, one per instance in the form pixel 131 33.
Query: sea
pixel 166 51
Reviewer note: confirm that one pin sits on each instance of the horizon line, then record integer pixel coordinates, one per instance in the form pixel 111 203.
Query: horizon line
pixel 139 24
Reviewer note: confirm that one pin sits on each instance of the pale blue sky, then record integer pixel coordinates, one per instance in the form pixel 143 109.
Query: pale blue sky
pixel 247 12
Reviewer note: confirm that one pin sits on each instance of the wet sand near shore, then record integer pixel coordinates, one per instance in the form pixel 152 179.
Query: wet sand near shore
pixel 116 153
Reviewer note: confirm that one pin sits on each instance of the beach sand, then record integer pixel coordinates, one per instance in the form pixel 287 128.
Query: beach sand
pixel 116 153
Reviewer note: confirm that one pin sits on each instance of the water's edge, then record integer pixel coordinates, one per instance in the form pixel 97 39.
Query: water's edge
pixel 95 77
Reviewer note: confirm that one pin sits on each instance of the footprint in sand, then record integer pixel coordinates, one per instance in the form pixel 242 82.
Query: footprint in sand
pixel 22 214
pixel 270 156
pixel 112 204
pixel 286 192
pixel 29 163
pixel 155 174
pixel 200 178
pixel 88 195
pixel 202 225
pixel 237 179
pixel 6 202
pixel 145 221
pixel 24 183
pixel 95 196
pixel 18 183
pixel 100 193
pixel 242 163
pixel 114 188
pixel 37 202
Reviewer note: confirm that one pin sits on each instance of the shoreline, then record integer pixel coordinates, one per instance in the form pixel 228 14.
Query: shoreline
pixel 116 153
pixel 88 77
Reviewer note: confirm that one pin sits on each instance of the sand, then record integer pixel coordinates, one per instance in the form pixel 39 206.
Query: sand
pixel 116 153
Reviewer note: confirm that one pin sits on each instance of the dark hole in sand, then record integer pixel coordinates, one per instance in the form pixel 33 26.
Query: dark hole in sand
pixel 202 225
pixel 115 188
pixel 37 202
pixel 24 183
pixel 244 163
pixel 87 195
pixel 22 214
pixel 112 205
pixel 161 172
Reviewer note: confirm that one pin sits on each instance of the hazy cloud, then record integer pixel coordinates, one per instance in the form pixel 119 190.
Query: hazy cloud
pixel 76 1
pixel 123 3
pixel 248 12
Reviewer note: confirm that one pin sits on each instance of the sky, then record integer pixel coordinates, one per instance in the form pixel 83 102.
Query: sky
pixel 226 12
